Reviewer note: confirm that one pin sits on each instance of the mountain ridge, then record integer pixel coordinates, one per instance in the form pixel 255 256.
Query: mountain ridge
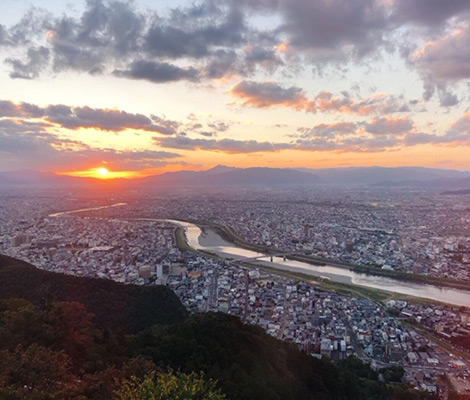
pixel 221 175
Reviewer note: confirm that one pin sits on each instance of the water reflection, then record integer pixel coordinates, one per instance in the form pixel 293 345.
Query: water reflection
pixel 210 241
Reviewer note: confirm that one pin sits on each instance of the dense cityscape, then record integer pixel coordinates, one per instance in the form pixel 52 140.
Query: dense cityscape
pixel 131 242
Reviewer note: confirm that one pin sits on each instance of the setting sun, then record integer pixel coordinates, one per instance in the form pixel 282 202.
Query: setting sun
pixel 102 171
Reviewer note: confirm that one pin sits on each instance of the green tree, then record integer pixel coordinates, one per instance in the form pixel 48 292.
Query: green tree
pixel 169 386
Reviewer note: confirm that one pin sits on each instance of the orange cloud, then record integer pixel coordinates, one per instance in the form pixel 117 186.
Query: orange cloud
pixel 270 95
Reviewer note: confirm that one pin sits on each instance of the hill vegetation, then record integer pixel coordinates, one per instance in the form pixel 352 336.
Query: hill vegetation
pixel 54 346
pixel 124 308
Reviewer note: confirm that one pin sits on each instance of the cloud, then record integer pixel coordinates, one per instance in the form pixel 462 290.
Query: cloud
pixel 103 119
pixel 86 117
pixel 27 31
pixel 375 104
pixel 389 125
pixel 105 32
pixel 115 36
pixel 24 110
pixel 259 56
pixel 444 60
pixel 37 58
pixel 135 159
pixel 3 35
pixel 230 146
pixel 158 72
pixel 334 29
pixel 378 134
pixel 457 134
pixel 25 144
pixel 165 126
pixel 270 94
pixel 195 31
pixel 219 126
pixel 427 12
pixel 222 64
pixel 207 134
pixel 462 125
pixel 328 130
pixel 212 40
pixel 359 144
pixel 8 125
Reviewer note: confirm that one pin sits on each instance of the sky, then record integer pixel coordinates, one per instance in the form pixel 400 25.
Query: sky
pixel 144 87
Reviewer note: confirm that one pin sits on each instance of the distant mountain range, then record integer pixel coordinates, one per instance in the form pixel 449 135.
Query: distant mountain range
pixel 418 177
pixel 227 176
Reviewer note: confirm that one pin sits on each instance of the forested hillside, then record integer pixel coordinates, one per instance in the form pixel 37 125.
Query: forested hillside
pixel 63 338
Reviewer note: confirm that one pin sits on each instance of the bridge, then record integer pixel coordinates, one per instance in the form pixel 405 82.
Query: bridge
pixel 271 256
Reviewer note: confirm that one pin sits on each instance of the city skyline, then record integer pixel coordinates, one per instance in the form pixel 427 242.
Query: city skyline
pixel 128 89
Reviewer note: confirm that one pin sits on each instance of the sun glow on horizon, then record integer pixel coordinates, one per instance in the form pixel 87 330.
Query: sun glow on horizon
pixel 102 173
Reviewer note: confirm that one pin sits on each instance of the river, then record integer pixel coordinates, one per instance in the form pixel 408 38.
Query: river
pixel 210 241
pixel 59 214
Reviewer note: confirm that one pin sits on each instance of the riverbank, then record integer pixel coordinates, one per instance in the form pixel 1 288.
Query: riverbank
pixel 230 236
pixel 380 296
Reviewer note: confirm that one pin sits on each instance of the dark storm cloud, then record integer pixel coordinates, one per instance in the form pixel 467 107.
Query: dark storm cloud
pixel 230 146
pixel 158 72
